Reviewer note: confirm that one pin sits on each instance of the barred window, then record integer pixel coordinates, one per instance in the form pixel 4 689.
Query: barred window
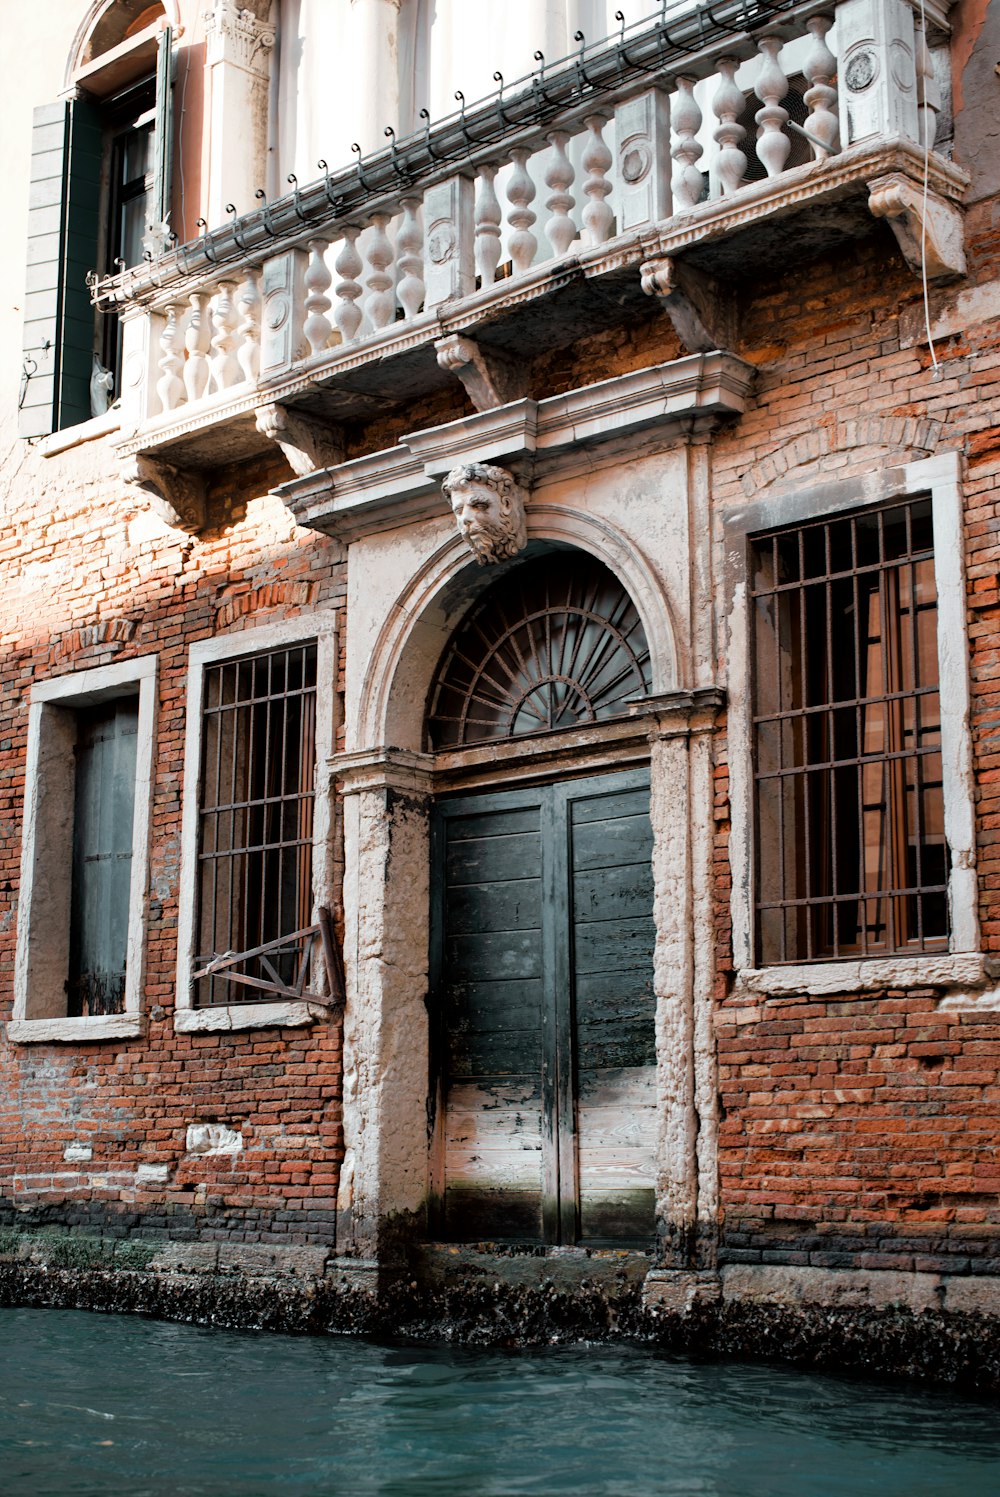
pixel 255 820
pixel 851 858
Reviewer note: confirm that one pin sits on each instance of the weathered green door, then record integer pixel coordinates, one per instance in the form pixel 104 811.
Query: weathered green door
pixel 542 958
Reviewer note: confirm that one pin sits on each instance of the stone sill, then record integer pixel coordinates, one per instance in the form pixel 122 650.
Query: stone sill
pixel 75 1031
pixel 822 979
pixel 235 1016
pixel 84 431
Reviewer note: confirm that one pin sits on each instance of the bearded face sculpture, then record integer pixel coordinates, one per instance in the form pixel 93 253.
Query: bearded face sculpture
pixel 488 506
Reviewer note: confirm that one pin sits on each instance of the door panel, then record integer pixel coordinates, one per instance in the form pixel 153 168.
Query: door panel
pixel 543 960
pixel 490 1036
pixel 612 933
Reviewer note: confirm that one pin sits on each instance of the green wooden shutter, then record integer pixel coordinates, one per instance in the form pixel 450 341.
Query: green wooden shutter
pixel 63 223
pixel 162 140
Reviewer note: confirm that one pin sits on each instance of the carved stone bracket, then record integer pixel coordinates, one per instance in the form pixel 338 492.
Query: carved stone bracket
pixel 308 444
pixel 703 312
pixel 926 226
pixel 177 495
pixel 490 380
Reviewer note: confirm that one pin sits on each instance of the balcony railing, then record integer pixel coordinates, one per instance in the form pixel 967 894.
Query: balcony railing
pixel 666 139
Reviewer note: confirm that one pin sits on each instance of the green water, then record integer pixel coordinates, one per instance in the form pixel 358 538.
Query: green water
pixel 98 1404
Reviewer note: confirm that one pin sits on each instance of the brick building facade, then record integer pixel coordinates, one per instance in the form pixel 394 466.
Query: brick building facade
pixel 754 1052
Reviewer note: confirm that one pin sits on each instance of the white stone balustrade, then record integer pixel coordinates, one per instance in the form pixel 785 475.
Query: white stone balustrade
pixel 755 109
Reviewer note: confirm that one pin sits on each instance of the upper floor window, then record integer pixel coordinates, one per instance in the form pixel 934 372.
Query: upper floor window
pixel 100 196
pixel 850 840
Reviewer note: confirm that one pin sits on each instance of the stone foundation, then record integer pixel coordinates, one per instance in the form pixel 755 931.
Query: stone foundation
pixel 869 1324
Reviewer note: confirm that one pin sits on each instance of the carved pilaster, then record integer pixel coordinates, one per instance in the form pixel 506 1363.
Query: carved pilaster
pixel 490 380
pixel 308 444
pixel 926 226
pixel 703 312
pixel 233 33
pixel 177 495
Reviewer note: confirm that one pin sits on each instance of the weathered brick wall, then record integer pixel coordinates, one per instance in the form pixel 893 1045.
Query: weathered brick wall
pixel 91 578
pixel 860 1130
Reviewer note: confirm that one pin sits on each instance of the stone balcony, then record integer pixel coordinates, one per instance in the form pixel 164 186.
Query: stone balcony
pixel 658 165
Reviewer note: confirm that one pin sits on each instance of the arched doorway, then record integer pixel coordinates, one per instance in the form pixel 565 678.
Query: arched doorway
pixel 542 929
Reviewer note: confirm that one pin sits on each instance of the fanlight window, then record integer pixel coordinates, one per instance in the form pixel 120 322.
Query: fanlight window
pixel 557 643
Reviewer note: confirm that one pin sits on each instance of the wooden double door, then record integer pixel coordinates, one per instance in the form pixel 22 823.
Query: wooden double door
pixel 543 1014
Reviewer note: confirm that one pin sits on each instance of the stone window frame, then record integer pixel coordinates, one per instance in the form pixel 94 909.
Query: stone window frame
pixel 963 964
pixel 255 639
pixel 42 953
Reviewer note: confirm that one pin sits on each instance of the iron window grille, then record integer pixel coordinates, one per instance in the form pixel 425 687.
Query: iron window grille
pixel 851 858
pixel 555 643
pixel 256 827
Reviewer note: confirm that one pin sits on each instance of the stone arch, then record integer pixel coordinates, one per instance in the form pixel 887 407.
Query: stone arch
pixel 107 22
pixel 413 638
pixel 908 436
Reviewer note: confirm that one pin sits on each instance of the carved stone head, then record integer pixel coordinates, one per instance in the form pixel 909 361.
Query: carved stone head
pixel 488 506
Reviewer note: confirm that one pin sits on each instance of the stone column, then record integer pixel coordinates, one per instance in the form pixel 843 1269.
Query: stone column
pixel 681 812
pixel 372 46
pixel 383 1186
pixel 238 51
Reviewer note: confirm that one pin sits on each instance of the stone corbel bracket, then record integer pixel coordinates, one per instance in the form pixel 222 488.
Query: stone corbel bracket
pixel 702 311
pixel 490 380
pixel 307 443
pixel 177 495
pixel 927 227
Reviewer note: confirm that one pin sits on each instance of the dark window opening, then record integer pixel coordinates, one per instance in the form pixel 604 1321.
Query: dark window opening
pixel 851 858
pixel 129 130
pixel 103 816
pixel 256 815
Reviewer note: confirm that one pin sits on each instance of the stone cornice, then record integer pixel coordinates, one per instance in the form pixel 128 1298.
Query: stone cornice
pixel 534 438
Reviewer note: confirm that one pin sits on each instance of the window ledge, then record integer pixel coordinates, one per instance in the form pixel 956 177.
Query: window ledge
pixel 963 969
pixel 83 431
pixel 75 1031
pixel 280 1015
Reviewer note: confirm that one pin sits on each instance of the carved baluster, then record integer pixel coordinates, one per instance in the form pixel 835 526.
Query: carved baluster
pixel 820 67
pixel 348 266
pixel 560 230
pixel 317 280
pixel 170 386
pixel 380 303
pixel 488 215
pixel 223 364
pixel 928 92
pixel 598 218
pixel 773 144
pixel 197 341
pixel 685 116
pixel 410 259
pixel 728 103
pixel 248 302
pixel 520 192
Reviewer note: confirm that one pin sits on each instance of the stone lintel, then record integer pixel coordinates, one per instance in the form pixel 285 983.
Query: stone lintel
pixel 681 400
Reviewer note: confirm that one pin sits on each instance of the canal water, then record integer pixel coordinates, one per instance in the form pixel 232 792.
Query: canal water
pixel 99 1404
